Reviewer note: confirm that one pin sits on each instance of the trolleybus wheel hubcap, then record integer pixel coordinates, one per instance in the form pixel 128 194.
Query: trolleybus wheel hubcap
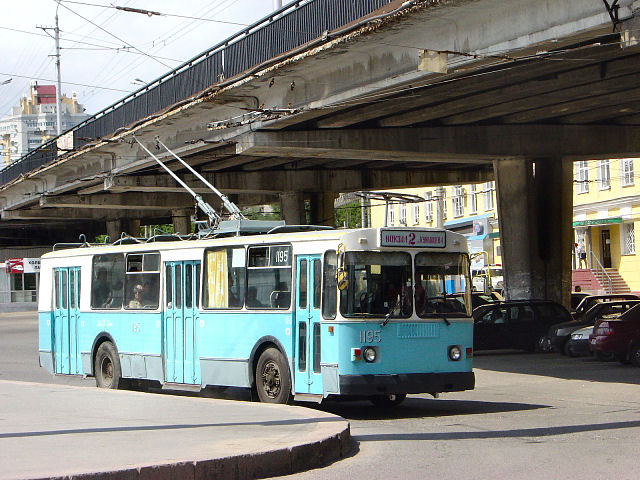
pixel 271 379
pixel 107 369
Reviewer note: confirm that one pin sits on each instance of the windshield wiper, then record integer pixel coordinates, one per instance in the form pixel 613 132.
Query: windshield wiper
pixel 386 320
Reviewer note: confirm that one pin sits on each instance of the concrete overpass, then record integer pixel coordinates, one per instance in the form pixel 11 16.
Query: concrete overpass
pixel 421 92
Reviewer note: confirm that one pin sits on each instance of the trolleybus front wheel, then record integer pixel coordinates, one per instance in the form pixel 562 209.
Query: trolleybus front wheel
pixel 387 401
pixel 107 366
pixel 273 381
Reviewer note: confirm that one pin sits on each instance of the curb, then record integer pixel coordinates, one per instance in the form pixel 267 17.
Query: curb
pixel 272 463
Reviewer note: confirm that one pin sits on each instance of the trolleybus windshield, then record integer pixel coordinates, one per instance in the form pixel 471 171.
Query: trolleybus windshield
pixel 379 285
pixel 441 280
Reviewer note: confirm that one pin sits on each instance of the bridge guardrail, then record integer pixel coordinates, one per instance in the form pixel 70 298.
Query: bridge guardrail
pixel 283 30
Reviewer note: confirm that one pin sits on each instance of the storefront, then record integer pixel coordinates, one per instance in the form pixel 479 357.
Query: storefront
pixel 20 277
pixel 605 240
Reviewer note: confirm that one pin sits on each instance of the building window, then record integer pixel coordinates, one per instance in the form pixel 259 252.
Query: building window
pixel 444 204
pixel 473 196
pixel 428 208
pixel 582 177
pixel 457 201
pixel 626 172
pixel 391 215
pixel 604 175
pixel 629 239
pixel 487 192
pixel 415 213
pixel 402 207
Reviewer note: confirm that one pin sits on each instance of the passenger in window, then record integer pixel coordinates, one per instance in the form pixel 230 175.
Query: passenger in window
pixel 138 292
pixel 282 296
pixel 101 289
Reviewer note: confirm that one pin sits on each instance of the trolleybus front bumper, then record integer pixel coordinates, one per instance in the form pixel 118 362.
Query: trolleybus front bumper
pixel 406 383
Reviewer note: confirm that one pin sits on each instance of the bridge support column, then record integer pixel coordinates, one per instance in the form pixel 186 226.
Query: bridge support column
pixel 292 208
pixel 322 210
pixel 114 229
pixel 133 227
pixel 535 210
pixel 181 221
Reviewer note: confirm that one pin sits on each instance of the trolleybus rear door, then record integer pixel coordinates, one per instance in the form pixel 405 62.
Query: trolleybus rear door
pixel 181 318
pixel 66 320
pixel 307 362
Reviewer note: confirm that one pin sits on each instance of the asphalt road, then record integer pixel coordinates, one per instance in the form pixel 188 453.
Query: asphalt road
pixel 531 416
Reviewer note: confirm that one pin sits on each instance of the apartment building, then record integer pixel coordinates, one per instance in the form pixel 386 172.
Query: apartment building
pixel 33 122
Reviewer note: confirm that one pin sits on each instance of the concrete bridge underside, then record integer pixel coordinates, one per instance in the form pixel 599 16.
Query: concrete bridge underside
pixel 438 93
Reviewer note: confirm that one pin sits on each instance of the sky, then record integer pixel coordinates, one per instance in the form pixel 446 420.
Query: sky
pixel 106 51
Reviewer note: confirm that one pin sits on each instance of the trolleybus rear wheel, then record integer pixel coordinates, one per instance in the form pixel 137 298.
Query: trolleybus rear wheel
pixel 107 366
pixel 386 401
pixel 273 381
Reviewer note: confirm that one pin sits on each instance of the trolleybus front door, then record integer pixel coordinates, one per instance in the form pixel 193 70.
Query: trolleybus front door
pixel 181 318
pixel 65 322
pixel 307 363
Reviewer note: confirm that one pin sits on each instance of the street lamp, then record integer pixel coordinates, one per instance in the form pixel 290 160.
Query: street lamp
pixel 6 81
pixel 138 81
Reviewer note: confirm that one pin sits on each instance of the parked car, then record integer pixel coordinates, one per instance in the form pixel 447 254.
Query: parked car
pixel 559 334
pixel 479 298
pixel 576 298
pixel 619 336
pixel 578 343
pixel 591 300
pixel 519 324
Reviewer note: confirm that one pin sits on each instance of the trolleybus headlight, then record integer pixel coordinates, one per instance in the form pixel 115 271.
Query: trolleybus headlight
pixel 369 354
pixel 455 353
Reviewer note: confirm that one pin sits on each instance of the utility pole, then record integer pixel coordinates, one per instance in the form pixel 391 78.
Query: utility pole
pixel 277 5
pixel 59 86
pixel 56 31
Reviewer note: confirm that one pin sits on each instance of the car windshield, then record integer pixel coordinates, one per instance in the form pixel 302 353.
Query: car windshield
pixel 379 285
pixel 440 284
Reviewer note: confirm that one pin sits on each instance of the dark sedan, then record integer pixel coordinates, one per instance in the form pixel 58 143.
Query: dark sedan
pixel 559 334
pixel 591 300
pixel 518 324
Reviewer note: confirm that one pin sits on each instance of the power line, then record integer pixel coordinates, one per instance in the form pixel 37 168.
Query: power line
pixel 114 36
pixel 152 13
pixel 66 83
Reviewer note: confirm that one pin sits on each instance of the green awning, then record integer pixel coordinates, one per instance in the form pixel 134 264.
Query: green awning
pixel 597 221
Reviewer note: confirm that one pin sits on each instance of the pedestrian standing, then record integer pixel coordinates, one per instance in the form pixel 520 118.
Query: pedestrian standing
pixel 582 255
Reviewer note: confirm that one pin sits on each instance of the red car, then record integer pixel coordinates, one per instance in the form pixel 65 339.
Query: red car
pixel 618 336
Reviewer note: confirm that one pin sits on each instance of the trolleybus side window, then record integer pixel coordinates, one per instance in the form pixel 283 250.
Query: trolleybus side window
pixel 379 284
pixel 106 281
pixel 224 278
pixel 302 300
pixel 168 285
pixel 317 283
pixel 142 281
pixel 56 289
pixel 64 289
pixel 441 280
pixel 269 277
pixel 329 286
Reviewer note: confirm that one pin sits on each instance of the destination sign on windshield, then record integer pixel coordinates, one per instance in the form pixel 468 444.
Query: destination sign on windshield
pixel 408 238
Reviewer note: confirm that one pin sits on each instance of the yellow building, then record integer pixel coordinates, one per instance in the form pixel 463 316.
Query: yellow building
pixel 606 206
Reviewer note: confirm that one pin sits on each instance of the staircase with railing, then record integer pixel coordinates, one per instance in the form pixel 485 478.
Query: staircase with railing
pixel 598 279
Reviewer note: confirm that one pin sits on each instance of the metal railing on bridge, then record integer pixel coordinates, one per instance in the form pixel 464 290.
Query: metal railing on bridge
pixel 283 30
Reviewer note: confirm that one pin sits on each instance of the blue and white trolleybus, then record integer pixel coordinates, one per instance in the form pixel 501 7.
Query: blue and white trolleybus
pixel 376 313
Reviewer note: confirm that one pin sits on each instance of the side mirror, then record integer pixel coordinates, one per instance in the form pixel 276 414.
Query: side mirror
pixel 341 276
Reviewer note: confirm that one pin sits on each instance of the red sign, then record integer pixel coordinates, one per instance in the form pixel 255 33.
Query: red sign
pixel 14 265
